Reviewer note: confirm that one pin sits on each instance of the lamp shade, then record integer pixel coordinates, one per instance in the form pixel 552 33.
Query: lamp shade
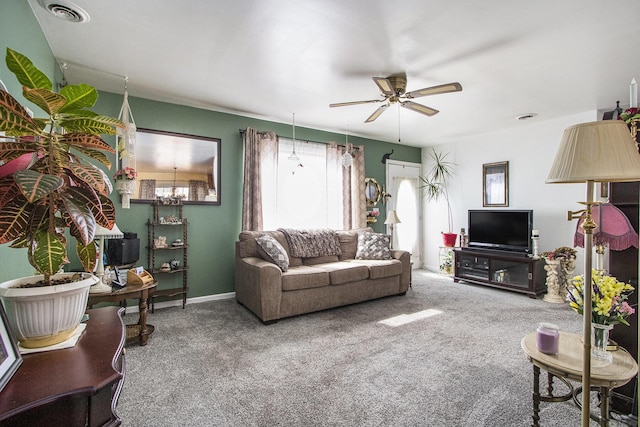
pixel 114 233
pixel 614 229
pixel 602 151
pixel 392 218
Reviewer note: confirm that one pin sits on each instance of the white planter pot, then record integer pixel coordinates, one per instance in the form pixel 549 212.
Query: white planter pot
pixel 46 315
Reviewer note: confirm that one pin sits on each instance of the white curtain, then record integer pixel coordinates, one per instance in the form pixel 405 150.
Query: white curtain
pixel 315 191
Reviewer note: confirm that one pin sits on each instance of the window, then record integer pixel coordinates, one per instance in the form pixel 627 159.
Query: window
pixel 302 194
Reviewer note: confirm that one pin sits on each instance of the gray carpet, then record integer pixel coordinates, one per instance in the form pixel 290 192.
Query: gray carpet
pixel 215 364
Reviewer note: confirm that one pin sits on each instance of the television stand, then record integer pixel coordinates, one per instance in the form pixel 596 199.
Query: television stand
pixel 502 270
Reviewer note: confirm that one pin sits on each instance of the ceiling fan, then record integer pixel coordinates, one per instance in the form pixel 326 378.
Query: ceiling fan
pixel 393 88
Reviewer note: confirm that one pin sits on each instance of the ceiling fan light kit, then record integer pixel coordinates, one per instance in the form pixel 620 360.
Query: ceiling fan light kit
pixel 393 88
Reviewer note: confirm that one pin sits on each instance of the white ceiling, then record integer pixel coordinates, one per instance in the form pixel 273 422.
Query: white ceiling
pixel 271 58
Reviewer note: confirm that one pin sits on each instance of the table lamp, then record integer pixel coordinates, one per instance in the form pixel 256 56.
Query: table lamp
pixel 592 152
pixel 392 218
pixel 614 231
pixel 101 234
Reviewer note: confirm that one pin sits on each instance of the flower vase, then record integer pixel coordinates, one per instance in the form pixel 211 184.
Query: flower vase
pixel 126 188
pixel 599 342
pixel 554 292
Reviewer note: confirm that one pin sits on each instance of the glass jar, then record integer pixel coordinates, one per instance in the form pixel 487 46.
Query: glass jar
pixel 547 338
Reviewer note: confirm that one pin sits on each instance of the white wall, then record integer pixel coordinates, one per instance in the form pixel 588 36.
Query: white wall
pixel 530 149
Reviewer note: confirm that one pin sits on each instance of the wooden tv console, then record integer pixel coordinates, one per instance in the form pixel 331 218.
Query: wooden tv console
pixel 500 269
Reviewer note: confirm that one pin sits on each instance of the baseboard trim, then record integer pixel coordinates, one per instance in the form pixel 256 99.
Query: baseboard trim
pixel 178 302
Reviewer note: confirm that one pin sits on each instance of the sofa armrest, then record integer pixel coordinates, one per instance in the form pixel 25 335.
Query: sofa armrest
pixel 259 287
pixel 405 258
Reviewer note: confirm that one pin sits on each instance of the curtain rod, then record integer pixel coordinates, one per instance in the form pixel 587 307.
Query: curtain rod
pixel 355 147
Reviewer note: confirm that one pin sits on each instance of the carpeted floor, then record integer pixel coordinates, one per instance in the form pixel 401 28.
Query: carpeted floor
pixel 458 364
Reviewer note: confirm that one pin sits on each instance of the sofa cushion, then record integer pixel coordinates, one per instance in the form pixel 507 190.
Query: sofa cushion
pixel 373 246
pixel 345 272
pixel 304 277
pixel 248 247
pixel 380 268
pixel 320 260
pixel 272 251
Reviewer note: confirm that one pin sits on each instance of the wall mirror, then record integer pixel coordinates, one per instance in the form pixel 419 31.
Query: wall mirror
pixel 175 165
pixel 371 191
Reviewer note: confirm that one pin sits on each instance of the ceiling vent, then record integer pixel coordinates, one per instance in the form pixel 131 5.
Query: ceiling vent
pixel 65 10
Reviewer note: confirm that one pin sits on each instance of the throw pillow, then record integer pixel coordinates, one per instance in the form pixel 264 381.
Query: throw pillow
pixel 273 251
pixel 373 245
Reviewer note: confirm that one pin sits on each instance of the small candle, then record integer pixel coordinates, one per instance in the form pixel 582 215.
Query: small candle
pixel 547 338
pixel 633 94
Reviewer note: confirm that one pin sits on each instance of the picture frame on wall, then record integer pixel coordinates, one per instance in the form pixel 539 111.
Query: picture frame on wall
pixel 10 357
pixel 495 184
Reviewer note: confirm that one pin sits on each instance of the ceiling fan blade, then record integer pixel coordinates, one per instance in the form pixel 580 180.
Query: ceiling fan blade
pixel 434 90
pixel 419 108
pixel 345 104
pixel 377 113
pixel 385 85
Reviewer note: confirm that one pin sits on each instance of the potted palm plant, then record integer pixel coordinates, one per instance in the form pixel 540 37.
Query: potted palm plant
pixel 49 185
pixel 435 187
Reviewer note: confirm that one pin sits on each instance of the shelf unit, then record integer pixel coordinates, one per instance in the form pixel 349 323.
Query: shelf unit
pixel 500 270
pixel 445 255
pixel 168 221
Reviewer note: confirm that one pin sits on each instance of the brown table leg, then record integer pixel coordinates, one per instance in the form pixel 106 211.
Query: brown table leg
pixel 145 330
pixel 536 397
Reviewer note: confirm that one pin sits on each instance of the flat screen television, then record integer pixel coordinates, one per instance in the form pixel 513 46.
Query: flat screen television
pixel 506 230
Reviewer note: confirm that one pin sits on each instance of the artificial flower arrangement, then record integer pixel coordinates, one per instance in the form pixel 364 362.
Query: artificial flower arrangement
pixel 561 253
pixel 608 298
pixel 126 173
pixel 630 114
pixel 373 214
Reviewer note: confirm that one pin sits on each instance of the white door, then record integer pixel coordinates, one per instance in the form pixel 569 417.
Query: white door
pixel 403 184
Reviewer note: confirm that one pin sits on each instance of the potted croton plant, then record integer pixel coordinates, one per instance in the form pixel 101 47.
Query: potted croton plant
pixel 49 184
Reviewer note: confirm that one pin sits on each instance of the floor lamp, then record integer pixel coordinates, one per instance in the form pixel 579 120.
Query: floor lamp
pixel 602 151
pixel 392 218
pixel 102 234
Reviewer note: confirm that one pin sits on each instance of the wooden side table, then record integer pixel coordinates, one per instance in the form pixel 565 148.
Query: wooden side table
pixel 567 365
pixel 140 331
pixel 76 386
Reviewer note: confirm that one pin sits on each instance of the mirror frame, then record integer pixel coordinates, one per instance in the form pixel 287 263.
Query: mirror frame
pixel 185 138
pixel 370 184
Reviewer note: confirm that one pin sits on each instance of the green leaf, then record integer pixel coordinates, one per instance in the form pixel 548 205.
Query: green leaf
pixel 48 252
pixel 35 186
pixel 81 217
pixel 78 97
pixel 87 254
pixel 28 74
pixel 48 101
pixel 14 119
pixel 96 155
pixel 14 219
pixel 92 176
pixel 88 125
pixel 86 141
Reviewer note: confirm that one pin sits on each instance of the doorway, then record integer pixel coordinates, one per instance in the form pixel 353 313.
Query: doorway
pixel 403 184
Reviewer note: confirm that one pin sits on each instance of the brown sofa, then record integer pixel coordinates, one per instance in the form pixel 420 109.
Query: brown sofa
pixel 314 283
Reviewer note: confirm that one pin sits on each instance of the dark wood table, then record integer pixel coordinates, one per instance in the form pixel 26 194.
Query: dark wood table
pixel 140 331
pixel 77 386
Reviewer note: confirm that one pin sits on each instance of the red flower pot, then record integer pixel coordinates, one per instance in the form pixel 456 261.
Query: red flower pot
pixel 449 239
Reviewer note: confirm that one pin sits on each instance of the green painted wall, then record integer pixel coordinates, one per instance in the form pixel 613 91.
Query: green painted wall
pixel 20 31
pixel 212 229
